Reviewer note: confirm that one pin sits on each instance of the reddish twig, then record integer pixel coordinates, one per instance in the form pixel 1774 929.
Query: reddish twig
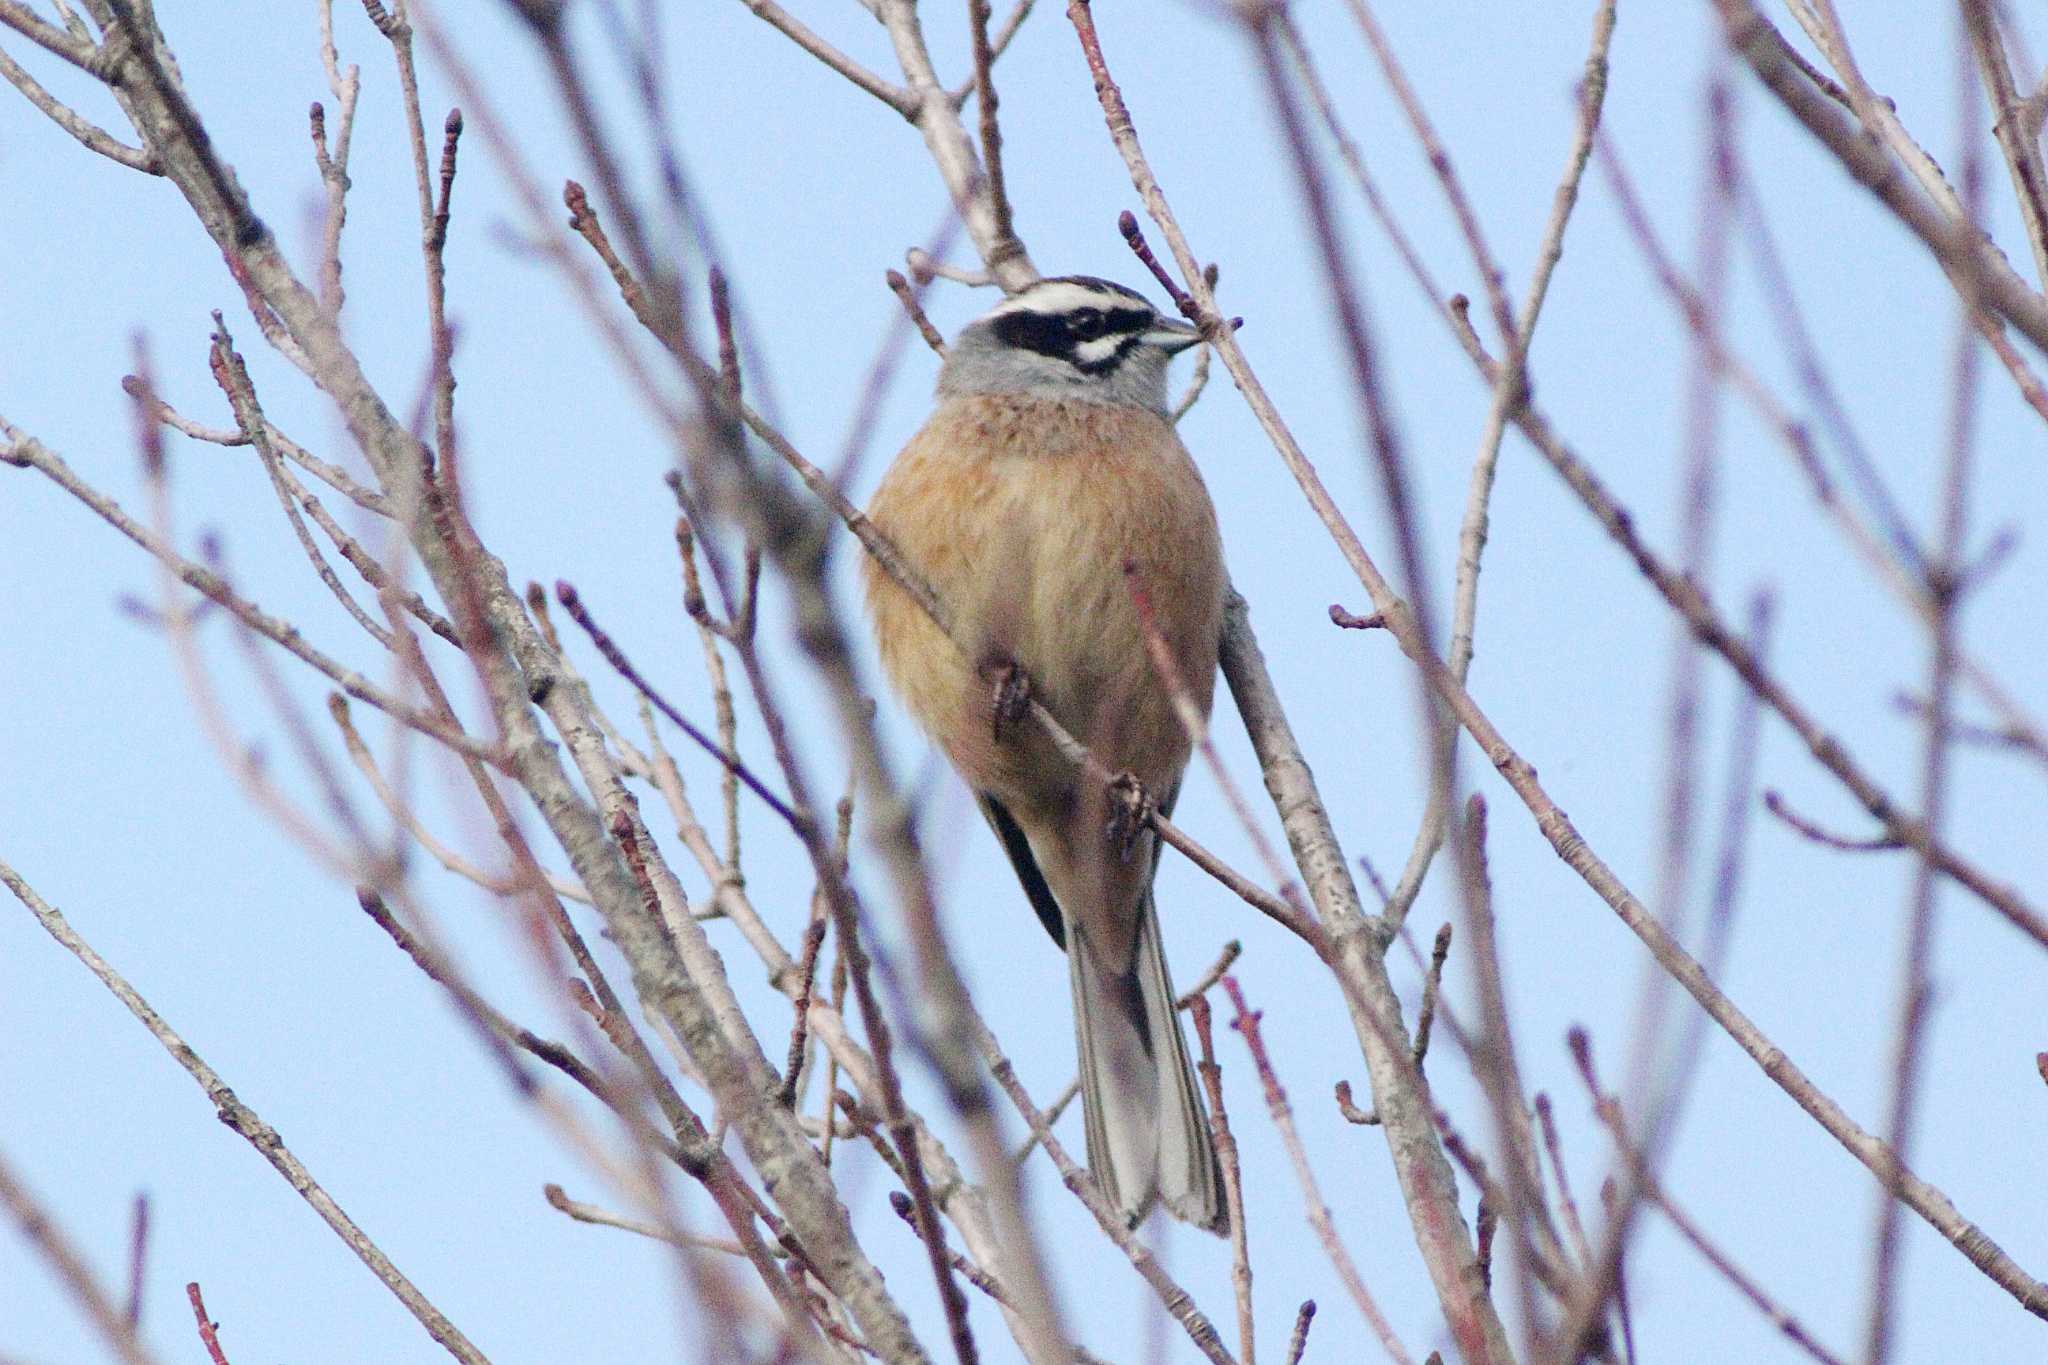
pixel 1486 1227
pixel 1547 1121
pixel 901 288
pixel 1348 1107
pixel 1246 1022
pixel 1352 621
pixel 1233 1178
pixel 807 968
pixel 1203 983
pixel 1298 1343
pixel 138 1251
pixel 1775 803
pixel 1178 1302
pixel 1608 1109
pixel 1002 244
pixel 969 1271
pixel 572 602
pixel 1432 986
pixel 209 1330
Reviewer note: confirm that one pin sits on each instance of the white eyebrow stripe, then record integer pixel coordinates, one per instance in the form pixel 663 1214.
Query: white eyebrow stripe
pixel 1064 296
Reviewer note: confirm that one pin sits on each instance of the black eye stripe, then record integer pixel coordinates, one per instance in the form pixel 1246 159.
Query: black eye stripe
pixel 1041 332
pixel 1053 334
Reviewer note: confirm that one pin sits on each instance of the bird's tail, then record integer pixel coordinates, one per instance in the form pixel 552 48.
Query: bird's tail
pixel 1148 1137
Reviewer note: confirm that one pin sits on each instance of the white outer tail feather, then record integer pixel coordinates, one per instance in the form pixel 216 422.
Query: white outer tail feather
pixel 1148 1136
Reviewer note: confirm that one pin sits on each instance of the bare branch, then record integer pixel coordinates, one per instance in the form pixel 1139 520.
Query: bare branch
pixel 28 453
pixel 90 135
pixel 76 48
pixel 1962 251
pixel 895 96
pixel 1246 1022
pixel 559 1200
pixel 1775 803
pixel 1233 1178
pixel 1298 1343
pixel 209 1330
pixel 901 288
pixel 1610 1113
pixel 1179 1304
pixel 50 1242
pixel 2022 153
pixel 244 1121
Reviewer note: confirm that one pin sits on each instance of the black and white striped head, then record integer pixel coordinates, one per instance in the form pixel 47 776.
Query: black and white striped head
pixel 1072 336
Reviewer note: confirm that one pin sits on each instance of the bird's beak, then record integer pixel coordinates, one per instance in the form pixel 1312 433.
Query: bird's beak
pixel 1171 335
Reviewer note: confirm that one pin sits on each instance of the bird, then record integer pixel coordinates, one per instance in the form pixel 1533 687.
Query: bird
pixel 1047 482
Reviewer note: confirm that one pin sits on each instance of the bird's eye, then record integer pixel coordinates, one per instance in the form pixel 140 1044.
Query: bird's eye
pixel 1087 324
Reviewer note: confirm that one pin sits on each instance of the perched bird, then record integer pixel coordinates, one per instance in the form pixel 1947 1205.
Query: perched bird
pixel 1046 481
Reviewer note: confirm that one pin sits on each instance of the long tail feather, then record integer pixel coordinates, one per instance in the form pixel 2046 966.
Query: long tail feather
pixel 1148 1138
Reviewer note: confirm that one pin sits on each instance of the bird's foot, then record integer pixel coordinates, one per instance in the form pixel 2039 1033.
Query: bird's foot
pixel 1012 700
pixel 1131 809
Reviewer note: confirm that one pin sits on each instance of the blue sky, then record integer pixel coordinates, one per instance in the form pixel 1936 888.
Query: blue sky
pixel 113 805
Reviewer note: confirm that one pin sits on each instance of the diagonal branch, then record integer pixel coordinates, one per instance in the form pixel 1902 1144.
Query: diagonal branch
pixel 89 134
pixel 245 1121
pixel 1964 253
pixel 793 28
pixel 2022 153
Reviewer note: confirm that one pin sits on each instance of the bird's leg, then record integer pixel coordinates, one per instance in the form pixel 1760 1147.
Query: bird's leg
pixel 1012 699
pixel 1131 809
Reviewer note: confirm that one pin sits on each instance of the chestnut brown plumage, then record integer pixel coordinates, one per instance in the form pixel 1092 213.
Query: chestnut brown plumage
pixel 1048 466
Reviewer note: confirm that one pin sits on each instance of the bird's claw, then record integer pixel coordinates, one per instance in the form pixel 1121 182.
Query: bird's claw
pixel 1012 697
pixel 1131 811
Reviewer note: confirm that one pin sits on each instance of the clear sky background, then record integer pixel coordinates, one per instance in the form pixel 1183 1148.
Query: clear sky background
pixel 114 806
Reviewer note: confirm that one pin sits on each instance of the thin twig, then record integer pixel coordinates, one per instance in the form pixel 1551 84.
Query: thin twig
pixel 1196 725
pixel 583 1212
pixel 572 601
pixel 232 374
pixel 799 1029
pixel 49 1241
pixel 1776 804
pixel 1510 390
pixel 1207 980
pixel 1570 1206
pixel 89 134
pixel 1004 243
pixel 2022 153
pixel 1298 1342
pixel 245 1122
pixel 138 1256
pixel 1179 1304
pixel 1432 985
pixel 330 157
pixel 20 449
pixel 209 1330
pixel 1246 1022
pixel 969 1271
pixel 1965 254
pixel 1000 44
pixel 905 295
pixel 1608 1108
pixel 896 97
pixel 408 818
pixel 1945 588
pixel 1233 1179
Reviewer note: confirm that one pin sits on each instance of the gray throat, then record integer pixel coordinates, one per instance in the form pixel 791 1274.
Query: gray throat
pixel 977 363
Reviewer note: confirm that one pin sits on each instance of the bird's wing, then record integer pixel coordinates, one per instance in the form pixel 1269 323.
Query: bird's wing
pixel 1011 836
pixel 1024 862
